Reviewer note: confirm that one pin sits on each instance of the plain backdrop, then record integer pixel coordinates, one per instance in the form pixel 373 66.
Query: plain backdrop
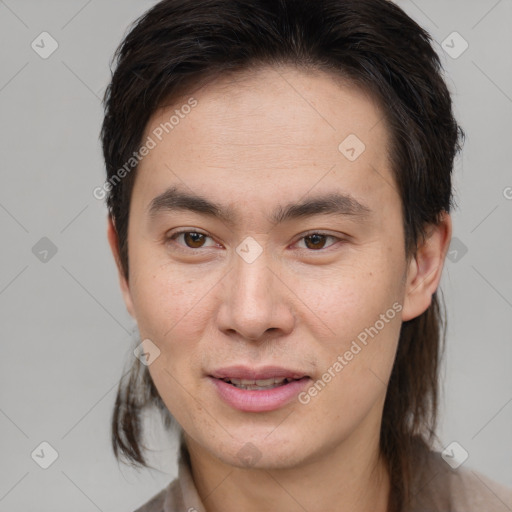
pixel 66 336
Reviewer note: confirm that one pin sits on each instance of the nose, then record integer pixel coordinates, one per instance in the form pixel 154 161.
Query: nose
pixel 255 301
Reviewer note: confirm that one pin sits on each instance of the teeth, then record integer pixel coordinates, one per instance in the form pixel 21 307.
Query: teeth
pixel 257 384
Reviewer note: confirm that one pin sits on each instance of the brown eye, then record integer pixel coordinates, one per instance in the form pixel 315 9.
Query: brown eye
pixel 184 240
pixel 193 240
pixel 315 241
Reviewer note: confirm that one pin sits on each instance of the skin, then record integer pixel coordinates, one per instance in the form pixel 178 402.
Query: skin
pixel 254 142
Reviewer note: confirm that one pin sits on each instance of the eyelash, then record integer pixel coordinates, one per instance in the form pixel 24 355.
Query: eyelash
pixel 186 249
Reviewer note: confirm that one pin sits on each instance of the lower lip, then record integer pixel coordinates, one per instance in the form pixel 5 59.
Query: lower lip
pixel 259 400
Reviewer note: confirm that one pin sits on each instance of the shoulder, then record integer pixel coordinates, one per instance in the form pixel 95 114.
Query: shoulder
pixel 440 488
pixel 167 500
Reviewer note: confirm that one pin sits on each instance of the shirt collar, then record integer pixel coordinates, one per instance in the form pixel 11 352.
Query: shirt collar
pixel 188 497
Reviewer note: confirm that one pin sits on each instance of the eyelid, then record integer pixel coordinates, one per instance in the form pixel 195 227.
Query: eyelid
pixel 172 237
pixel 321 233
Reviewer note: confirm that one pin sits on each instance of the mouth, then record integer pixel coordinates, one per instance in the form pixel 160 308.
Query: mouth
pixel 260 384
pixel 260 390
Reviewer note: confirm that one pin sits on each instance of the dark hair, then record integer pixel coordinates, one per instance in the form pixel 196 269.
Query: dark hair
pixel 179 44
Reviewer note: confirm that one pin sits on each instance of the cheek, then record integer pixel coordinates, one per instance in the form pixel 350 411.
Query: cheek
pixel 356 366
pixel 166 307
pixel 167 302
pixel 363 312
pixel 352 297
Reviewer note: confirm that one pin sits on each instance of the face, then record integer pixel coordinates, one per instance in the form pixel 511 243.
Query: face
pixel 266 242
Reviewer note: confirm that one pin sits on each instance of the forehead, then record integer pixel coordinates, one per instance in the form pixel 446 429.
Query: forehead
pixel 270 131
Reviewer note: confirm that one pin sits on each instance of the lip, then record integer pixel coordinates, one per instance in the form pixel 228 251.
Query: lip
pixel 249 400
pixel 265 372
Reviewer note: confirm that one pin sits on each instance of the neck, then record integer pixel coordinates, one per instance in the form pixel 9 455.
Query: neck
pixel 350 477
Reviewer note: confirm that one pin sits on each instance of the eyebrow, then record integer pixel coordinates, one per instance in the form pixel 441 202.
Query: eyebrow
pixel 174 199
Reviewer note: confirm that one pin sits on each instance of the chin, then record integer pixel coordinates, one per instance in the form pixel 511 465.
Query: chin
pixel 261 450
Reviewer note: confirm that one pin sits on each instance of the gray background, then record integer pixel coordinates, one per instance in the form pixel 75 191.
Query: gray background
pixel 66 336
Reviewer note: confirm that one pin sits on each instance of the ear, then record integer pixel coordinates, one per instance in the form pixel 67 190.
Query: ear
pixel 113 241
pixel 425 268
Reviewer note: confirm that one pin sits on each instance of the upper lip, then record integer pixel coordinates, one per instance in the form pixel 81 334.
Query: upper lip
pixel 265 372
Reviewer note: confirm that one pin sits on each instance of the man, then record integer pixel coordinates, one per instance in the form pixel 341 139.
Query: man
pixel 279 180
